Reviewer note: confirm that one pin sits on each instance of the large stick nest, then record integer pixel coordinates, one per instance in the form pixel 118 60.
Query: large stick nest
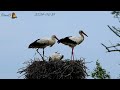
pixel 55 70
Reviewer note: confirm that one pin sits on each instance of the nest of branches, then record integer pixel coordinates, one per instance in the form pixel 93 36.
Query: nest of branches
pixel 66 69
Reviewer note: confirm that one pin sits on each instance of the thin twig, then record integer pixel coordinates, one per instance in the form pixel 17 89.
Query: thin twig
pixel 109 49
pixel 114 46
pixel 116 29
pixel 113 31
pixel 64 71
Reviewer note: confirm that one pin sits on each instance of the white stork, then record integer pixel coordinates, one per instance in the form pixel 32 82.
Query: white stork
pixel 43 43
pixel 56 57
pixel 72 41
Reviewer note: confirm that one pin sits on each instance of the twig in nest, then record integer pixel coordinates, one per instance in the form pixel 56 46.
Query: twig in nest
pixel 66 67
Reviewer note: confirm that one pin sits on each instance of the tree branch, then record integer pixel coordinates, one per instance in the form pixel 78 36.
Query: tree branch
pixel 114 48
pixel 114 31
pixel 108 48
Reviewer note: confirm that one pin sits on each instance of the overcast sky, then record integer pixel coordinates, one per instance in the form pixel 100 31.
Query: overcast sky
pixel 17 34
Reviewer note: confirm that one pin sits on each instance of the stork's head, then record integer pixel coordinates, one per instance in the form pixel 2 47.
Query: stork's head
pixel 53 36
pixel 81 33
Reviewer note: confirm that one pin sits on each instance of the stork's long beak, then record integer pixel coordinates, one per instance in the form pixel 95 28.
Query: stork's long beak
pixel 85 34
pixel 56 38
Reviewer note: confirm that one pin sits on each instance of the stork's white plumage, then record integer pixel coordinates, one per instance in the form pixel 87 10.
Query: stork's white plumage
pixel 72 41
pixel 56 57
pixel 43 43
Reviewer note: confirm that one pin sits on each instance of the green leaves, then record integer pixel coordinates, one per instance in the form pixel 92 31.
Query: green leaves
pixel 99 72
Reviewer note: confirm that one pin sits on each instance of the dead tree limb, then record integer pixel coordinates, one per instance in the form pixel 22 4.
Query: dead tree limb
pixel 115 31
pixel 113 50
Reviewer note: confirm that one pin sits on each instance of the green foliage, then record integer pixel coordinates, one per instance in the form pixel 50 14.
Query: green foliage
pixel 99 72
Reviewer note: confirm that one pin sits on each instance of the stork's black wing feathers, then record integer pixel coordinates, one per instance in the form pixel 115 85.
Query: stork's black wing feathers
pixel 35 44
pixel 66 40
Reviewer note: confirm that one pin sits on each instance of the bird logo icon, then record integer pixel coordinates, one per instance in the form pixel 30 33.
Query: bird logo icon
pixel 14 15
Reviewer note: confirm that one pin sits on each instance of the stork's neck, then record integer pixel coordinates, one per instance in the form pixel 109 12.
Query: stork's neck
pixel 53 39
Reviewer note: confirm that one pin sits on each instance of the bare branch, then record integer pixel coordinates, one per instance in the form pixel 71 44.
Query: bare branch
pixel 108 48
pixel 114 48
pixel 116 29
pixel 113 31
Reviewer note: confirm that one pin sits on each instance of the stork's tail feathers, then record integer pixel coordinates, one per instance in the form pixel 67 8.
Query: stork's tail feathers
pixel 31 45
pixel 35 44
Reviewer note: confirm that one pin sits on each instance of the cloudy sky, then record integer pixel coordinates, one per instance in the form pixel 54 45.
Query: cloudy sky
pixel 17 34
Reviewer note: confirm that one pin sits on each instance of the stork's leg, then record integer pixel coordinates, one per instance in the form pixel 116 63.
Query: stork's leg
pixel 43 53
pixel 73 53
pixel 37 50
pixel 39 53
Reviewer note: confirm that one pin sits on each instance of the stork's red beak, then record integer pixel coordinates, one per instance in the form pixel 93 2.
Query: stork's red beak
pixel 85 34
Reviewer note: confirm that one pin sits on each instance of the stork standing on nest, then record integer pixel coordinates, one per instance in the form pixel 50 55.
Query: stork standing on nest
pixel 43 43
pixel 72 41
